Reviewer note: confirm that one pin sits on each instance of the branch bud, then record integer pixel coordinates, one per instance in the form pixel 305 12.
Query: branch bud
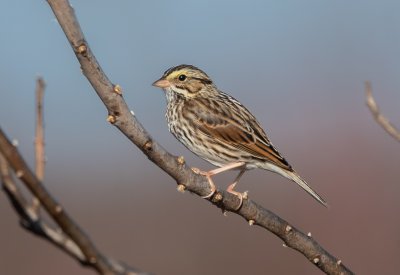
pixel 218 197
pixel 181 188
pixel 148 145
pixel 181 160
pixel 111 119
pixel 82 49
pixel 118 89
pixel 19 173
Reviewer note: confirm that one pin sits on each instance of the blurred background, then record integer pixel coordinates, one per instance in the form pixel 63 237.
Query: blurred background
pixel 299 66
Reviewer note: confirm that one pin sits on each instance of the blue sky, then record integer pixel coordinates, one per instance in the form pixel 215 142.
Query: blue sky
pixel 265 45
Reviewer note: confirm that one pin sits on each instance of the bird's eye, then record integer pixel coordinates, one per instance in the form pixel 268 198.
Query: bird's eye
pixel 182 77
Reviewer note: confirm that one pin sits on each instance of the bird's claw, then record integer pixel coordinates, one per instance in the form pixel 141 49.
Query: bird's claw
pixel 241 200
pixel 209 195
pixel 213 189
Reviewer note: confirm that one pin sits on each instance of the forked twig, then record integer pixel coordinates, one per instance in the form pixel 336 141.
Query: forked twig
pixel 377 115
pixel 29 214
pixel 121 117
pixel 29 218
pixel 69 237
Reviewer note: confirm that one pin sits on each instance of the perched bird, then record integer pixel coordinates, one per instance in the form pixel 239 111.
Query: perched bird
pixel 219 129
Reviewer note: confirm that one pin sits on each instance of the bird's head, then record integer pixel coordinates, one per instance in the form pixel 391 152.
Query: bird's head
pixel 185 80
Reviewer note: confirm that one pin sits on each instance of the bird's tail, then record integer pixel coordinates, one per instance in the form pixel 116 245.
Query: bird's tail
pixel 296 178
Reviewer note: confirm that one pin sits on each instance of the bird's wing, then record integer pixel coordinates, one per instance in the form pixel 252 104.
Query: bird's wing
pixel 233 124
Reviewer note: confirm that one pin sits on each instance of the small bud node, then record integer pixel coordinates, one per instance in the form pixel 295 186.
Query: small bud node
pixel 148 145
pixel 218 197
pixel 309 234
pixel 181 188
pixel 111 119
pixel 284 245
pixel 58 209
pixel 339 262
pixel 181 160
pixel 132 113
pixel 288 228
pixel 118 89
pixel 245 195
pixel 19 173
pixel 316 260
pixel 82 49
pixel 251 222
pixel 15 142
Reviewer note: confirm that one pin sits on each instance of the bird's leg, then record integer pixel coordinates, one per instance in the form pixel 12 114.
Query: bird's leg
pixel 230 188
pixel 212 185
pixel 211 173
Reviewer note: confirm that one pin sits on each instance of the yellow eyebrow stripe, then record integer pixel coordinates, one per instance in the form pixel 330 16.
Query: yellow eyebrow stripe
pixel 175 74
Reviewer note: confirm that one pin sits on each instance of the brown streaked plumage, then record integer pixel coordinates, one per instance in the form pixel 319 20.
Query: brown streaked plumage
pixel 218 128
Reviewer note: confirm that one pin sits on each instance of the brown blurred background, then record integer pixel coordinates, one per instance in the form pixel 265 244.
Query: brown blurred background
pixel 299 67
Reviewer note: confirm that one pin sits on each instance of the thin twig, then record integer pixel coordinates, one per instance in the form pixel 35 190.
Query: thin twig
pixel 121 117
pixel 377 115
pixel 32 222
pixel 29 218
pixel 52 206
pixel 39 140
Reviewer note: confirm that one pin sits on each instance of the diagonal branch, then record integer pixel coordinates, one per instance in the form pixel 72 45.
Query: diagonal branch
pixel 121 117
pixel 29 214
pixel 70 238
pixel 377 115
pixel 29 218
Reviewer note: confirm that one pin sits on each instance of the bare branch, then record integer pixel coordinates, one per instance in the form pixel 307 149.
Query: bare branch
pixel 34 224
pixel 52 206
pixel 8 185
pixel 74 242
pixel 29 218
pixel 121 117
pixel 377 115
pixel 39 141
pixel 55 210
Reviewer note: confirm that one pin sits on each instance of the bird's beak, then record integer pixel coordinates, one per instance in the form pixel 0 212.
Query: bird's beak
pixel 162 83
